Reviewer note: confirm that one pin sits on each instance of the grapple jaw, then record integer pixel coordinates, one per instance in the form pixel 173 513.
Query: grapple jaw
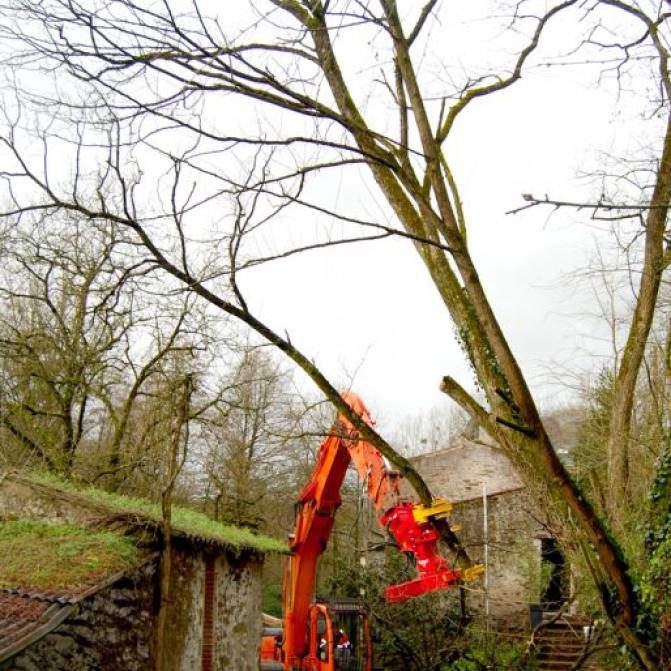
pixel 425 584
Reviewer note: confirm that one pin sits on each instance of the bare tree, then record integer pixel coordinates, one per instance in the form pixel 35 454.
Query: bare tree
pixel 147 72
pixel 246 435
pixel 430 431
pixel 81 337
pixel 63 319
pixel 125 447
pixel 634 201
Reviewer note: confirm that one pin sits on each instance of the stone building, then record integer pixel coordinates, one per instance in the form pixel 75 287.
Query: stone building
pixel 524 563
pixel 214 615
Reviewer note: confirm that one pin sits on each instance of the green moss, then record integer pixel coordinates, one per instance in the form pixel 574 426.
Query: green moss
pixel 183 519
pixel 60 556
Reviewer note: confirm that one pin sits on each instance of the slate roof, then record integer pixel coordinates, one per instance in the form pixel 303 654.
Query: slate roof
pixel 24 620
pixel 459 471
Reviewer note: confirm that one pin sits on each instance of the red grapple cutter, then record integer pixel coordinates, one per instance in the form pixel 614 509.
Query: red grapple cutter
pixel 410 525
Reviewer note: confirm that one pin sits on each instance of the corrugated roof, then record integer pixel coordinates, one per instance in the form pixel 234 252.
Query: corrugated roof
pixel 33 605
pixel 26 615
pixel 25 619
pixel 68 595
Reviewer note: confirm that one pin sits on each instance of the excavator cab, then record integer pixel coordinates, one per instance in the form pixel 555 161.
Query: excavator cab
pixel 339 636
pixel 338 639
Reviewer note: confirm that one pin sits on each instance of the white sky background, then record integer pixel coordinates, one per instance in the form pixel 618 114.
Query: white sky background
pixel 368 313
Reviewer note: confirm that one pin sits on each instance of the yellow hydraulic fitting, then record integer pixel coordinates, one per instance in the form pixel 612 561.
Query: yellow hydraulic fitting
pixel 472 572
pixel 439 509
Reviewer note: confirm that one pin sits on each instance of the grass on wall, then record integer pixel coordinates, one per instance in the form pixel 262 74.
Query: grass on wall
pixel 41 556
pixel 183 519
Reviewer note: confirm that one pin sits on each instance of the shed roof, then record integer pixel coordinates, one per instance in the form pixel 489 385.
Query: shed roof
pixel 54 570
pixel 24 620
pixel 38 592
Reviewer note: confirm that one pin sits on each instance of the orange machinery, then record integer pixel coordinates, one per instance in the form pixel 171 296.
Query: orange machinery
pixel 311 631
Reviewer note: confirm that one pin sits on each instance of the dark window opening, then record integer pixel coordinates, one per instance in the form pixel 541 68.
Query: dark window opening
pixel 555 575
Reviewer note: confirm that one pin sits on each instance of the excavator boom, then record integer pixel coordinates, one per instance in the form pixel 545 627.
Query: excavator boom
pixel 411 526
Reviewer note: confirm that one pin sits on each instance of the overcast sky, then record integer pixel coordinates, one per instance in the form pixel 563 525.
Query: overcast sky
pixel 368 313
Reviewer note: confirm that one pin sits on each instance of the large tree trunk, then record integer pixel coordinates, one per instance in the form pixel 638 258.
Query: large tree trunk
pixel 625 383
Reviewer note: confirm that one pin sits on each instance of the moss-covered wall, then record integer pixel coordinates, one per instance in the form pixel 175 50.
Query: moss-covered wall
pixel 237 613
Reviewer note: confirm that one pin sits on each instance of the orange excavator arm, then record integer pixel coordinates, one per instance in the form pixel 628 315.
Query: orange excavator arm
pixel 410 525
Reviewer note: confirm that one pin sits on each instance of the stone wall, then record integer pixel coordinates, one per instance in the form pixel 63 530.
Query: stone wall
pixel 235 629
pixel 21 501
pixel 237 618
pixel 184 620
pixel 513 565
